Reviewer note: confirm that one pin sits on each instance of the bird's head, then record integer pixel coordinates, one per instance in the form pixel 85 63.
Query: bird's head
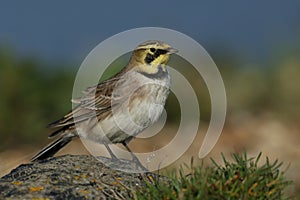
pixel 149 56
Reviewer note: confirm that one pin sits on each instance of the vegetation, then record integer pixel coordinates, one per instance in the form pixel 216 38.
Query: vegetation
pixel 241 179
pixel 32 95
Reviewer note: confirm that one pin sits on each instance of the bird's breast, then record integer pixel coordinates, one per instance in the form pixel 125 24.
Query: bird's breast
pixel 143 103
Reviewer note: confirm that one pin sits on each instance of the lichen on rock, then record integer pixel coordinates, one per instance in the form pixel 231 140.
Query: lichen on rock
pixel 73 177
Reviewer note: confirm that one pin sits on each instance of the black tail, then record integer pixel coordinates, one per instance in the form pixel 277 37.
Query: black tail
pixel 52 148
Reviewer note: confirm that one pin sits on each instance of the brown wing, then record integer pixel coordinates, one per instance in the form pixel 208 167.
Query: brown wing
pixel 96 101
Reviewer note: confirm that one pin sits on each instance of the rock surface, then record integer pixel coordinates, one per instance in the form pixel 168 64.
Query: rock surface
pixel 73 177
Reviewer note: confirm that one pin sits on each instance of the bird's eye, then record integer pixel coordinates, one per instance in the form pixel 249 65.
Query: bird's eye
pixel 152 50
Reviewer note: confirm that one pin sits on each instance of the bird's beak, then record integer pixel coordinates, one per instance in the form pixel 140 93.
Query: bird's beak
pixel 172 50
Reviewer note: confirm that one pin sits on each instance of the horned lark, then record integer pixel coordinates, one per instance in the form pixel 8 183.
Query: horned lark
pixel 118 109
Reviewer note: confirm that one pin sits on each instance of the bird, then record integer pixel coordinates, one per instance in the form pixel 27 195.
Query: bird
pixel 119 108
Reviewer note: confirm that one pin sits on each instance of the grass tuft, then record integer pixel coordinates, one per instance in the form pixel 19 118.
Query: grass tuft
pixel 241 179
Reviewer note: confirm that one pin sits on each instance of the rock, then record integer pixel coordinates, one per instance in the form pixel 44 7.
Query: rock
pixel 73 177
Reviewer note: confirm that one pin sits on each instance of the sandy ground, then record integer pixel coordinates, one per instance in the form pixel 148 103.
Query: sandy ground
pixel 275 139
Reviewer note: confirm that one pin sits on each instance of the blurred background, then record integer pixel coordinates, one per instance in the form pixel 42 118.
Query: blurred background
pixel 255 45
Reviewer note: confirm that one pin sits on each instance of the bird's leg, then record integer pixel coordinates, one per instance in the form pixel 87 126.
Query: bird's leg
pixel 134 158
pixel 112 155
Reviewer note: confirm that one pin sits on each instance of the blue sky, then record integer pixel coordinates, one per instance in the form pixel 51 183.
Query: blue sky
pixel 68 30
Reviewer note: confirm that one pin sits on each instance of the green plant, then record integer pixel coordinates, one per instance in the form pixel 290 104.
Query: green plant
pixel 241 179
